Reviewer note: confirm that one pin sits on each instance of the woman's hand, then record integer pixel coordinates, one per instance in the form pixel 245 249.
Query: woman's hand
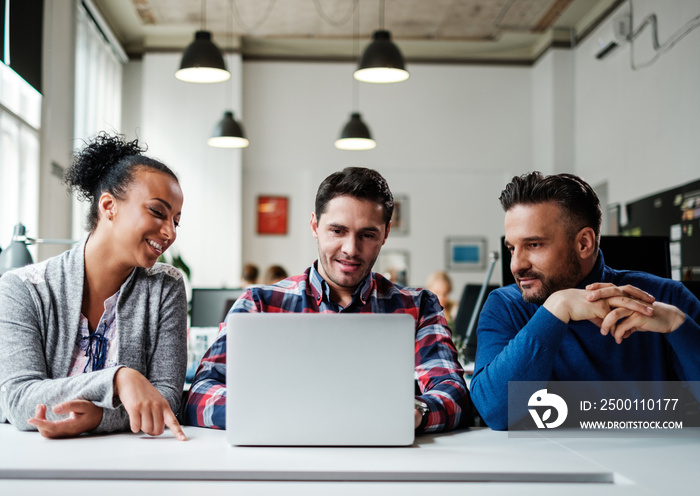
pixel 148 410
pixel 83 416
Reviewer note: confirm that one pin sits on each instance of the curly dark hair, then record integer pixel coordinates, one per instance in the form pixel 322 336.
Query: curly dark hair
pixel 358 182
pixel 107 164
pixel 576 199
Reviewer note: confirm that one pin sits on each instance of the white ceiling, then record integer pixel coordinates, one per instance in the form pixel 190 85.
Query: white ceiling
pixel 499 31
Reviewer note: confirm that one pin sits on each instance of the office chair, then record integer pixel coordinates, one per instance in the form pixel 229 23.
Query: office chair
pixel 467 304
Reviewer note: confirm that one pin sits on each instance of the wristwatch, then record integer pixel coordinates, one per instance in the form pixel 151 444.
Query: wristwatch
pixel 424 411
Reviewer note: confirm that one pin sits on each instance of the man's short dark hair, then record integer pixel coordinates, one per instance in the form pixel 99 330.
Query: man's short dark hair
pixel 358 182
pixel 578 202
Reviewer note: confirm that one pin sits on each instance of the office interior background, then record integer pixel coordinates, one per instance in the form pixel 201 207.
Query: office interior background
pixel 449 138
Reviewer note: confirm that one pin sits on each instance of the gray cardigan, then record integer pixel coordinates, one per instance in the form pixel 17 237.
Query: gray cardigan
pixel 40 308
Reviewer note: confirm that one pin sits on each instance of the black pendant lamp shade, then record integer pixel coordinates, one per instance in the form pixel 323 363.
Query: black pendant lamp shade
pixel 355 135
pixel 382 61
pixel 202 61
pixel 228 133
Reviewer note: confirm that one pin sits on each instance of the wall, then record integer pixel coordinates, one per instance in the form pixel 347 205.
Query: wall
pixel 175 119
pixel 553 112
pixel 638 129
pixel 448 138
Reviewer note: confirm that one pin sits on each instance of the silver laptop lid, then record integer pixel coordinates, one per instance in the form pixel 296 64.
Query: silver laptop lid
pixel 320 379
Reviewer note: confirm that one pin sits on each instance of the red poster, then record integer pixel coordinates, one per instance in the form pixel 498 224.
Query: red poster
pixel 272 214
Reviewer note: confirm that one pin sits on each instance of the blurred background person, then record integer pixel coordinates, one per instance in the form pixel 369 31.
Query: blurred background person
pixel 249 275
pixel 440 284
pixel 274 274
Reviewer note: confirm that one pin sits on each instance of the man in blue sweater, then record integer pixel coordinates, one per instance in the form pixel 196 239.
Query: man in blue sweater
pixel 569 317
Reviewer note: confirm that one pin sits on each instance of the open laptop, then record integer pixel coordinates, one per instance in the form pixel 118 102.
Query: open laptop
pixel 320 379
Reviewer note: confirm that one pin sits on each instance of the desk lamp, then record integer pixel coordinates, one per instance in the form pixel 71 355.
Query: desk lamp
pixel 17 255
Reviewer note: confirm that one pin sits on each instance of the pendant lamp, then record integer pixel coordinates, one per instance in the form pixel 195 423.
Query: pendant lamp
pixel 355 135
pixel 202 61
pixel 228 133
pixel 382 61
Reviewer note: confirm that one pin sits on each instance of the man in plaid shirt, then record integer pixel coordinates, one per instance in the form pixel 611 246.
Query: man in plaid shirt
pixel 351 223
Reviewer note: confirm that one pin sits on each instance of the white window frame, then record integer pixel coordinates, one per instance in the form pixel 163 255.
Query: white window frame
pixel 20 123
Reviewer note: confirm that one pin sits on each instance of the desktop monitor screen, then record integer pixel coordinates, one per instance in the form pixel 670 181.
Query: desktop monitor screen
pixel 210 305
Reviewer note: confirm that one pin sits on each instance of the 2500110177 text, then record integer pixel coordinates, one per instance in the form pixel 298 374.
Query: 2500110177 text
pixel 627 404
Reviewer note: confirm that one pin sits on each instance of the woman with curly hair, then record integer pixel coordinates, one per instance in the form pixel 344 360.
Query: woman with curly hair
pixel 94 340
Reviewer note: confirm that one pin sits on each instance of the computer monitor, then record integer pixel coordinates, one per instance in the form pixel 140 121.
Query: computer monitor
pixel 210 305
pixel 646 253
pixel 693 287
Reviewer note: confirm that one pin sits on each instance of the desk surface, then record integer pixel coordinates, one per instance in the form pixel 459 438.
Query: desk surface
pixel 480 458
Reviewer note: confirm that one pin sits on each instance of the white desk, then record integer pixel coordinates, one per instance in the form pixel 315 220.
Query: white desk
pixel 482 461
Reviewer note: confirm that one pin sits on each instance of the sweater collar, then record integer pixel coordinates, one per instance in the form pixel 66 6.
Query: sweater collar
pixel 75 264
pixel 599 273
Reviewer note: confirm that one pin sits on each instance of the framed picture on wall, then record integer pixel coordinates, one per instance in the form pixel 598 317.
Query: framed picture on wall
pixel 272 214
pixel 465 253
pixel 394 265
pixel 613 218
pixel 399 219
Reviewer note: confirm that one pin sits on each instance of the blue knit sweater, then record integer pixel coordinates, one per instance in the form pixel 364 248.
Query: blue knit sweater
pixel 520 341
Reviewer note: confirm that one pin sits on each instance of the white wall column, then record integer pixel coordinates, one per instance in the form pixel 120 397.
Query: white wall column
pixel 553 112
pixel 176 118
pixel 56 136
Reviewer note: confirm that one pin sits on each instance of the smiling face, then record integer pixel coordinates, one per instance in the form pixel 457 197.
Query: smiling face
pixel 350 233
pixel 144 223
pixel 545 258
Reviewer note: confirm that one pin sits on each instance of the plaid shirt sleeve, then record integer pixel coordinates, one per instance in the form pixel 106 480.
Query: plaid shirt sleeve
pixel 206 401
pixel 439 375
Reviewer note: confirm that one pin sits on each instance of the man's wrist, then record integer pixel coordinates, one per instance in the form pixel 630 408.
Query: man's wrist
pixel 680 317
pixel 424 410
pixel 557 306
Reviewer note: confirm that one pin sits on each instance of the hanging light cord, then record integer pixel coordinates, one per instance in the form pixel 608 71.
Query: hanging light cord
pixel 381 15
pixel 355 52
pixel 332 22
pixel 243 24
pixel 204 15
pixel 229 36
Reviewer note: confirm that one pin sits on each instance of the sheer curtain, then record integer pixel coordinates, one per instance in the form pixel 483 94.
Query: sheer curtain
pixel 98 88
pixel 20 120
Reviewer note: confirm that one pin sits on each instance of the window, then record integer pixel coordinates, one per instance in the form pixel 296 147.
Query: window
pixel 98 88
pixel 20 119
